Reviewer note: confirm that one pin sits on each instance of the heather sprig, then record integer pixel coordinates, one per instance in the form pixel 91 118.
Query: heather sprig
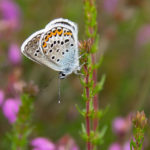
pixel 139 121
pixel 22 128
pixel 91 87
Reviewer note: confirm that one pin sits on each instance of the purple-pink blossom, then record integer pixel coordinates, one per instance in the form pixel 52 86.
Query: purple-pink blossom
pixel 126 146
pixel 10 109
pixel 115 146
pixel 121 125
pixel 14 54
pixel 10 13
pixel 118 146
pixel 143 35
pixel 66 142
pixel 1 97
pixel 41 143
pixel 63 147
pixel 110 6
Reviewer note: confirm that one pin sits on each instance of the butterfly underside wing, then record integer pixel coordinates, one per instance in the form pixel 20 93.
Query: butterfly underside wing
pixel 31 47
pixel 32 50
pixel 58 46
pixel 55 46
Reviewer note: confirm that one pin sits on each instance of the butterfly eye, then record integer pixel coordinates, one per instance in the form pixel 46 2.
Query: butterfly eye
pixel 62 75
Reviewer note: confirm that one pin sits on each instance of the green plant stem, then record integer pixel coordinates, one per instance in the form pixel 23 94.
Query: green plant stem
pixel 95 98
pixel 92 87
pixel 87 109
pixel 91 30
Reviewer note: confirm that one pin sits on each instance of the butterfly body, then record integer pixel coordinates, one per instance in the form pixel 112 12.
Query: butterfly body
pixel 55 46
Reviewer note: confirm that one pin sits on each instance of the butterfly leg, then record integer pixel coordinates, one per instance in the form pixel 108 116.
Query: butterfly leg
pixel 81 55
pixel 77 73
pixel 78 69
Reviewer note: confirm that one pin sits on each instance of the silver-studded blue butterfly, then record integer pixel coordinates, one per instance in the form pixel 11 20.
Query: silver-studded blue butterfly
pixel 55 46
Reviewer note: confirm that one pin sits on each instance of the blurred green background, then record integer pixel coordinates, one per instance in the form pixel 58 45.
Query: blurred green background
pixel 126 50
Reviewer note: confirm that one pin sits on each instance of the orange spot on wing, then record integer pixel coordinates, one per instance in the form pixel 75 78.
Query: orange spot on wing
pixel 68 33
pixel 54 33
pixel 59 32
pixel 46 38
pixel 50 35
pixel 44 44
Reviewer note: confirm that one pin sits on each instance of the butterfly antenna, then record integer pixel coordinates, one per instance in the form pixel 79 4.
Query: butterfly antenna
pixel 59 95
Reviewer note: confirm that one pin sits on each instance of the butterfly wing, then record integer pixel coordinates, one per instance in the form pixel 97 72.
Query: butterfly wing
pixel 59 44
pixel 31 49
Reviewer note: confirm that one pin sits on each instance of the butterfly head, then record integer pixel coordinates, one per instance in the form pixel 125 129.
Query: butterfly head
pixel 63 74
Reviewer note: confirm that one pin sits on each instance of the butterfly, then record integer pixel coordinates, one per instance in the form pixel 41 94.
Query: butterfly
pixel 55 46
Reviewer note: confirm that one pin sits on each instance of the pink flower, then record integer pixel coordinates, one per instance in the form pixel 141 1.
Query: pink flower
pixel 118 146
pixel 42 144
pixel 66 142
pixel 10 109
pixel 121 125
pixel 143 35
pixel 126 146
pixel 110 6
pixel 1 97
pixel 14 54
pixel 10 13
pixel 115 146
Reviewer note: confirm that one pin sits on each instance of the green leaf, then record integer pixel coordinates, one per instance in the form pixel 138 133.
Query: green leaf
pixel 96 66
pixel 82 112
pixel 98 138
pixel 94 47
pixel 82 82
pixel 83 128
pixel 83 132
pixel 99 86
pixel 84 97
